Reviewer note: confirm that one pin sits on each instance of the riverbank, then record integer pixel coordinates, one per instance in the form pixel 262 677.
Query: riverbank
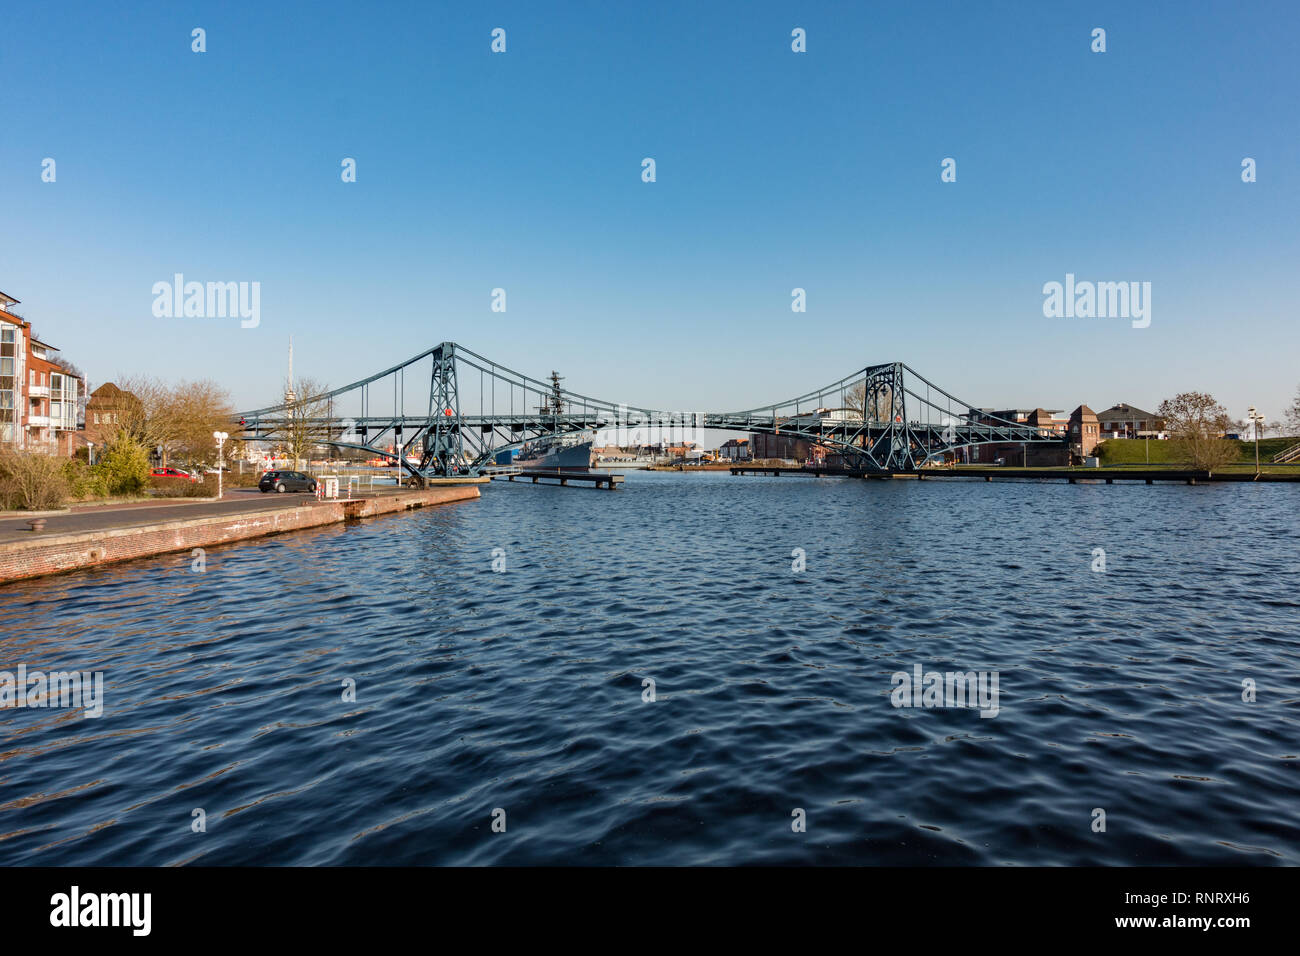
pixel 1149 475
pixel 109 535
pixel 711 466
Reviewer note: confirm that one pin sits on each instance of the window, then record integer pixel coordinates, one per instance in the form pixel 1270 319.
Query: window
pixel 96 418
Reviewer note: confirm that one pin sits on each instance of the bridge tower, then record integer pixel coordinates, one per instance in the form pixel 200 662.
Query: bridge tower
pixel 444 448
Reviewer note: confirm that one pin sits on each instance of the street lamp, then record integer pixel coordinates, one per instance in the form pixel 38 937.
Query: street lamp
pixel 1256 420
pixel 221 459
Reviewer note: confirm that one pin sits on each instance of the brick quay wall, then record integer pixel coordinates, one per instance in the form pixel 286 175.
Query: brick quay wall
pixel 55 553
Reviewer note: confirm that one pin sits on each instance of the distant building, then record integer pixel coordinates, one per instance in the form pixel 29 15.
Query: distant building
pixel 734 449
pixel 1128 421
pixel 1049 422
pixel 685 450
pixel 107 409
pixel 53 400
pixel 40 397
pixel 798 448
pixel 1084 431
pixel 13 372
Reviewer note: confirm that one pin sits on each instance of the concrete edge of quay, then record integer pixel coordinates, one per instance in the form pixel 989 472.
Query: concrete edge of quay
pixel 54 554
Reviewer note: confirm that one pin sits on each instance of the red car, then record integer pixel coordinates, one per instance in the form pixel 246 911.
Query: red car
pixel 171 473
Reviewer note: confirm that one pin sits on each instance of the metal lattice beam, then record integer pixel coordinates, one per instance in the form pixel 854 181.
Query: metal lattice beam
pixel 880 418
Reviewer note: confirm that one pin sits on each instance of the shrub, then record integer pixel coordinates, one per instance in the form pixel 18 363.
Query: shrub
pixel 124 467
pixel 31 481
pixel 82 480
pixel 207 488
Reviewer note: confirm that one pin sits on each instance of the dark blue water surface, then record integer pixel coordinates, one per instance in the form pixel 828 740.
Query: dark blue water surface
pixel 522 690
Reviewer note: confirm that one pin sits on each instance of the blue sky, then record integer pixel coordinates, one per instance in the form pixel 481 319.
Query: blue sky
pixel 775 170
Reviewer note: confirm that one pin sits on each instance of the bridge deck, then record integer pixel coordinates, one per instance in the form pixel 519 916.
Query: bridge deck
pixel 596 479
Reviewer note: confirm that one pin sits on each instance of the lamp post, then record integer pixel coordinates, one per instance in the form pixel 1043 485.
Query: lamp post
pixel 1256 420
pixel 221 460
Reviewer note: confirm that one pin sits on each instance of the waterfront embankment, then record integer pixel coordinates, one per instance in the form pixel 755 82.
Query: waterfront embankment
pixel 107 536
pixel 1070 475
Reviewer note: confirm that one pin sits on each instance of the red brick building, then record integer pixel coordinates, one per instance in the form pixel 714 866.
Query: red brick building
pixel 40 397
pixel 1084 432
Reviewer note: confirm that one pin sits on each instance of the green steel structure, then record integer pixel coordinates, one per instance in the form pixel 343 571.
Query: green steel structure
pixel 881 418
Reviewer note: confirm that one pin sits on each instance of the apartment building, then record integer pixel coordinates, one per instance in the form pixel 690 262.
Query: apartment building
pixel 40 398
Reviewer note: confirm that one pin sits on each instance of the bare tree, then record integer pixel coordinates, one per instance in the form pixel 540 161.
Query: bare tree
pixel 856 398
pixel 143 412
pixel 879 407
pixel 177 419
pixel 1197 423
pixel 306 417
pixel 199 409
pixel 1293 414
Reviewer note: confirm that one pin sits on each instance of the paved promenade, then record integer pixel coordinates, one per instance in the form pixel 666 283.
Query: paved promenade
pixel 103 517
pixel 88 537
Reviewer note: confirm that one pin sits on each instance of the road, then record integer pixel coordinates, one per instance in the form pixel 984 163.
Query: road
pixel 106 517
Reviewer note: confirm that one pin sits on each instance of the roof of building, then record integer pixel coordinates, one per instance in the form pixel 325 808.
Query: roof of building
pixel 1123 412
pixel 1084 413
pixel 7 300
pixel 108 390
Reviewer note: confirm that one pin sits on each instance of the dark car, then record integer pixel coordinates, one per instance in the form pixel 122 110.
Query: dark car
pixel 286 481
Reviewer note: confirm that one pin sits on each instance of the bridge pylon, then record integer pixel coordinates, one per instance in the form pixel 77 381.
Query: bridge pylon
pixel 444 445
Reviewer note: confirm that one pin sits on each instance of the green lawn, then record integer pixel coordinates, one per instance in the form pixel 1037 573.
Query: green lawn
pixel 1133 451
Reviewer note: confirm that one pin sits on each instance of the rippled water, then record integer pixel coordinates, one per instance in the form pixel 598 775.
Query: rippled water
pixel 522 690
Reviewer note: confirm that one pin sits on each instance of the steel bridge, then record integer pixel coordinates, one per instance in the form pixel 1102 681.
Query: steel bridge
pixel 882 418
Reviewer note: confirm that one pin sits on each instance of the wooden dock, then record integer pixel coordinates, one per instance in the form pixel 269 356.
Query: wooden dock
pixel 1070 475
pixel 596 479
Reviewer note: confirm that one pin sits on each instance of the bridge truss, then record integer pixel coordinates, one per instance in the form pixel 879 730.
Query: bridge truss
pixel 882 418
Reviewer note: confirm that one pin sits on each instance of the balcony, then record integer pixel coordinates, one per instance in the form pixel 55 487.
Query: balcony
pixel 38 391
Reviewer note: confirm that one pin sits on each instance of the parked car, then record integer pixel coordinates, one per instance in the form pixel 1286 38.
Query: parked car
pixel 286 481
pixel 171 473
